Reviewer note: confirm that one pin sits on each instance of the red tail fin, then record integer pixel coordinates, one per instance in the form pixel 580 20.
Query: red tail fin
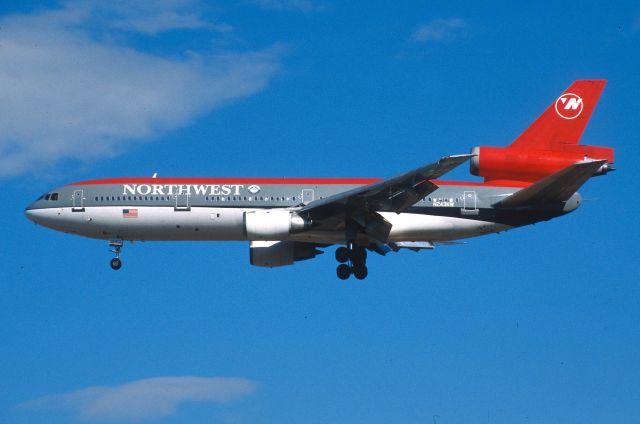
pixel 550 143
pixel 564 121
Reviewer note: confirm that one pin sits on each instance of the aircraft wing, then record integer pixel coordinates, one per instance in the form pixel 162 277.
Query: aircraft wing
pixel 555 188
pixel 393 194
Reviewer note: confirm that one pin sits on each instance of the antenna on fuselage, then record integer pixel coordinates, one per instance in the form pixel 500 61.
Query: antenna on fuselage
pixel 155 175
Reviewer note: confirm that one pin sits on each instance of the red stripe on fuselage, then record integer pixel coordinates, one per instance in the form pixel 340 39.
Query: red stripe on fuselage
pixel 189 180
pixel 285 181
pixel 495 183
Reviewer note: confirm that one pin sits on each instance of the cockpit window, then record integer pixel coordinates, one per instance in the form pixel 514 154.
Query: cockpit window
pixel 47 197
pixel 54 196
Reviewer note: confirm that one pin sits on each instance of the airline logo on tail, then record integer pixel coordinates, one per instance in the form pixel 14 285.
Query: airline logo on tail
pixel 569 106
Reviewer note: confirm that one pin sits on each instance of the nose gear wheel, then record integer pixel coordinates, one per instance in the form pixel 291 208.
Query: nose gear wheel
pixel 116 245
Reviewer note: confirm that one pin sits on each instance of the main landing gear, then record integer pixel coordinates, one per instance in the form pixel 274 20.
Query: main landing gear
pixel 352 261
pixel 116 246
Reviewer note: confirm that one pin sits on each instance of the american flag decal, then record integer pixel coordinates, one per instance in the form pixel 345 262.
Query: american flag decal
pixel 129 213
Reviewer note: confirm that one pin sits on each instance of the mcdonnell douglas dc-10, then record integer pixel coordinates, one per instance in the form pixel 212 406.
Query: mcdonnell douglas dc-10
pixel 290 219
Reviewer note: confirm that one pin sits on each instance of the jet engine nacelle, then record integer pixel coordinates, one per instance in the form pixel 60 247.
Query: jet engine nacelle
pixel 272 224
pixel 280 253
pixel 529 165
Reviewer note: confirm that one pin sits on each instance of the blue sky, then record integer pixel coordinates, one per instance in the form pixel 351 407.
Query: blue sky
pixel 538 325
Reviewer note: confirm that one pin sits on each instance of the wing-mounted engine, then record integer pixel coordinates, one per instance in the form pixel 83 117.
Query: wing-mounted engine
pixel 273 224
pixel 550 144
pixel 280 253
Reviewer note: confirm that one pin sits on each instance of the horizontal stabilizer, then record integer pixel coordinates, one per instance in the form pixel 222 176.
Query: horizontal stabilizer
pixel 555 188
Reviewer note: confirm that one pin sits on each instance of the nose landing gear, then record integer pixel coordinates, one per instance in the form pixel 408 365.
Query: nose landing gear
pixel 116 246
pixel 352 261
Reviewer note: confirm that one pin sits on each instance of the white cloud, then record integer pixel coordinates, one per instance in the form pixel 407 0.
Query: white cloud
pixel 66 93
pixel 147 17
pixel 144 399
pixel 439 30
pixel 296 5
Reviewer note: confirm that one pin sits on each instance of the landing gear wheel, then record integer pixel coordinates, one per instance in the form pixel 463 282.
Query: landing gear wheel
pixel 342 254
pixel 116 248
pixel 352 258
pixel 116 264
pixel 359 255
pixel 360 272
pixel 343 271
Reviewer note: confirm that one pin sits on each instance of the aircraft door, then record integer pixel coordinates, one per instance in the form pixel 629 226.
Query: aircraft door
pixel 307 196
pixel 470 202
pixel 182 203
pixel 78 201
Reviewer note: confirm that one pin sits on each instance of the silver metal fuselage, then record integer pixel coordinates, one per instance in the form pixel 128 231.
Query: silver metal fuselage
pixel 214 209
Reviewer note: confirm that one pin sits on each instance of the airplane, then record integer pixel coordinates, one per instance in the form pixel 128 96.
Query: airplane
pixel 287 220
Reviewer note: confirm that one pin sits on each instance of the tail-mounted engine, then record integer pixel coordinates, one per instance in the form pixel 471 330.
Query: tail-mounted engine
pixel 508 163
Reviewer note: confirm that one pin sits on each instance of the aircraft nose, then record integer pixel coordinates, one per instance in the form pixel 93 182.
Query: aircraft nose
pixel 31 214
pixel 35 213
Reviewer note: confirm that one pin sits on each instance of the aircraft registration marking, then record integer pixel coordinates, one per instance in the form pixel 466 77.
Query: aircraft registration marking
pixel 443 201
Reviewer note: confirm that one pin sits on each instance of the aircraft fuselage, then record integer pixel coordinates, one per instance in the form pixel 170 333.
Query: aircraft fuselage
pixel 215 209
